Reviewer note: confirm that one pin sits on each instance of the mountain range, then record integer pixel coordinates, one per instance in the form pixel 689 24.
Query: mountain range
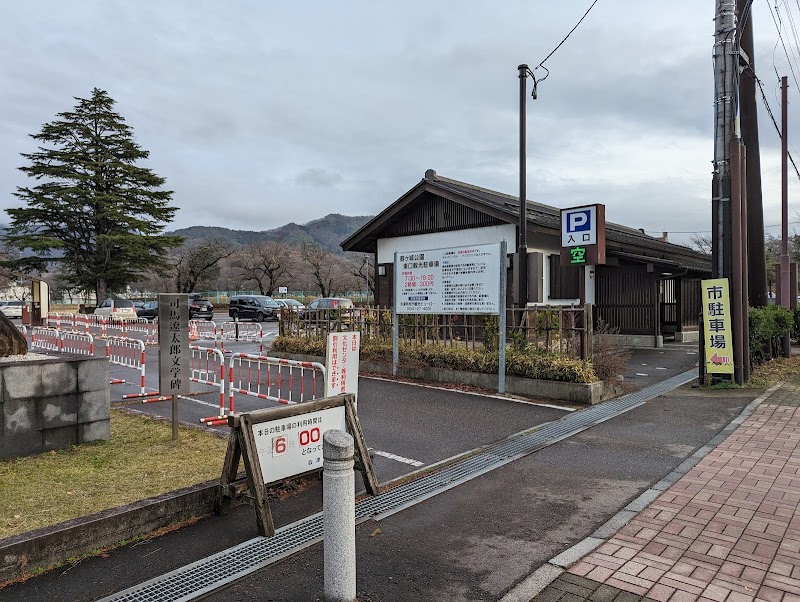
pixel 327 232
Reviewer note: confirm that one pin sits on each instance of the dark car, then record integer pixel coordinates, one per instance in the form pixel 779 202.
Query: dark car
pixel 254 307
pixel 149 310
pixel 200 308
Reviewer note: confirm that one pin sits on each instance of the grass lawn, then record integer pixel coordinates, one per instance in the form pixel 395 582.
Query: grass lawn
pixel 139 461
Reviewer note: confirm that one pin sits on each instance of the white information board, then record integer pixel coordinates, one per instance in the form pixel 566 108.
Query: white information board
pixel 292 446
pixel 457 280
pixel 341 363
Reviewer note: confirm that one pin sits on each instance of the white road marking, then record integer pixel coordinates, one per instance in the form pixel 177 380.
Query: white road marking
pixel 660 368
pixel 644 364
pixel 641 374
pixel 384 454
pixel 530 403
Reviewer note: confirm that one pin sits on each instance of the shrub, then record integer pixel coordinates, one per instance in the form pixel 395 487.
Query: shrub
pixel 525 363
pixel 609 358
pixel 768 325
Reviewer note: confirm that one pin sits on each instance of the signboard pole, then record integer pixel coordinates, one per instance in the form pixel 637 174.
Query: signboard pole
pixel 501 339
pixel 173 351
pixel 395 325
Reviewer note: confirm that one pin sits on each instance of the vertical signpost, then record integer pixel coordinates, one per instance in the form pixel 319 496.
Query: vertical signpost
pixel 454 280
pixel 341 364
pixel 173 350
pixel 718 342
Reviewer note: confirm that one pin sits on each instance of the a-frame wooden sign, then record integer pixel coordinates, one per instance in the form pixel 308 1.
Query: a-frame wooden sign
pixel 279 443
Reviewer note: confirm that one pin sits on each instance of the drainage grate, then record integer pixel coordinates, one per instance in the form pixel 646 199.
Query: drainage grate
pixel 213 572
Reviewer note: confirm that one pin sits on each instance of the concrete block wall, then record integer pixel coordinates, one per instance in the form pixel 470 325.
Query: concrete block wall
pixel 52 404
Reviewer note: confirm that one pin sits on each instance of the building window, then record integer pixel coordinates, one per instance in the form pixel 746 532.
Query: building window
pixel 381 270
pixel 564 281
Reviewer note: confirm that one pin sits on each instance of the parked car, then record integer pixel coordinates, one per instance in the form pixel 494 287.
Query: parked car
pixel 117 308
pixel 11 309
pixel 200 308
pixel 148 310
pixel 254 307
pixel 291 304
pixel 330 303
pixel 344 315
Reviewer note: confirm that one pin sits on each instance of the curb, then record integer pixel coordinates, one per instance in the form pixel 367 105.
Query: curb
pixel 537 581
pixel 50 546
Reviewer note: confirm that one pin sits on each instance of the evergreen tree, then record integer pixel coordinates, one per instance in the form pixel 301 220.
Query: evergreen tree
pixel 93 211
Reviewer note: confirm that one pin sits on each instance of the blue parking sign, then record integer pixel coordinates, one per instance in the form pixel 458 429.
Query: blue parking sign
pixel 579 226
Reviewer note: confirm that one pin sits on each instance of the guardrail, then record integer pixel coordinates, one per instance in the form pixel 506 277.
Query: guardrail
pixel 262 376
pixel 145 327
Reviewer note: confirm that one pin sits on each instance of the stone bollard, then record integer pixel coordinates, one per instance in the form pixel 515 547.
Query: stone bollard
pixel 339 516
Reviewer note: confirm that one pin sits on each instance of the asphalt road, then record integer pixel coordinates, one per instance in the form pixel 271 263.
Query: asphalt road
pixel 473 542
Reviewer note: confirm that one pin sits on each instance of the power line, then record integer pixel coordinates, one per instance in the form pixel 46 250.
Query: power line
pixel 772 117
pixel 707 231
pixel 562 42
pixel 776 20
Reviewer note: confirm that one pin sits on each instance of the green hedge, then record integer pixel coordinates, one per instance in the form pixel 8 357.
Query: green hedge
pixel 525 363
pixel 768 325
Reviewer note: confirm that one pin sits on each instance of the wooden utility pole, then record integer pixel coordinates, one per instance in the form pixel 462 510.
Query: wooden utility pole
pixel 784 284
pixel 756 271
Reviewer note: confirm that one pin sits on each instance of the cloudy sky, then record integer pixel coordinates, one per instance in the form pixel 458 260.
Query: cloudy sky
pixel 262 113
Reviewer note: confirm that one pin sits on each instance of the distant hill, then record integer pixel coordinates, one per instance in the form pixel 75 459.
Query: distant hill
pixel 327 232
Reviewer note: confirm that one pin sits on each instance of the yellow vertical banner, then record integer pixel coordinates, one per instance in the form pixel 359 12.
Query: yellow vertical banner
pixel 717 316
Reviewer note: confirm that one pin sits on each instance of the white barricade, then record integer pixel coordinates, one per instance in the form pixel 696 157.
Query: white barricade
pixel 66 321
pixel 47 338
pixel 249 332
pixel 23 329
pixel 95 321
pixel 53 319
pixel 143 326
pixel 261 376
pixel 130 354
pixel 204 330
pixel 208 368
pixel 80 343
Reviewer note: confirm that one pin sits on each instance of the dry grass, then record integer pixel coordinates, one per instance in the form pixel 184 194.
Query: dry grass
pixel 767 374
pixel 139 461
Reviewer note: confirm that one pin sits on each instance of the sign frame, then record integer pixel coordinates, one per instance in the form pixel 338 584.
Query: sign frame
pixel 593 242
pixel 347 370
pixel 242 446
pixel 717 323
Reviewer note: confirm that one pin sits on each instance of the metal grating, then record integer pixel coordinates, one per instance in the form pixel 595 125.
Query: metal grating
pixel 211 573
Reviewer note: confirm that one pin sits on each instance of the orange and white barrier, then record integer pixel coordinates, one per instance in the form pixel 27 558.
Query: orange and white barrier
pixel 208 368
pixel 79 343
pixel 130 354
pixel 148 329
pixel 274 379
pixel 203 330
pixel 43 337
pixel 249 332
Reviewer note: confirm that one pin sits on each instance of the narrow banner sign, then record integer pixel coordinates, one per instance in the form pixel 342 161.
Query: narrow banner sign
pixel 717 326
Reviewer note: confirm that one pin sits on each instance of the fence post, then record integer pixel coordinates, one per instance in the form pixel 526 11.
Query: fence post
pixel 339 517
pixel 587 335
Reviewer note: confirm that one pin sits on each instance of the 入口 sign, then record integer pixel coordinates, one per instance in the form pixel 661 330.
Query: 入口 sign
pixel 717 326
pixel 583 235
pixel 579 226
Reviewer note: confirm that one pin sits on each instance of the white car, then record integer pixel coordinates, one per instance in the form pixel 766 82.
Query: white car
pixel 11 309
pixel 117 308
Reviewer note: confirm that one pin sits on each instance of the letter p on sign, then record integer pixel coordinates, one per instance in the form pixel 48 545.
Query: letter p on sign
pixel 579 221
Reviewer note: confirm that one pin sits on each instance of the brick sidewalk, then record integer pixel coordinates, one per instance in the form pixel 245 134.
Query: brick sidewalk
pixel 728 531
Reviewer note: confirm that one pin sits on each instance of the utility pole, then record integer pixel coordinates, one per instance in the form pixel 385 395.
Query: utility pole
pixel 756 262
pixel 522 249
pixel 725 66
pixel 784 282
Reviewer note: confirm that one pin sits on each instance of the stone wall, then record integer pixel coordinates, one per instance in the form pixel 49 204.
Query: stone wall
pixel 52 404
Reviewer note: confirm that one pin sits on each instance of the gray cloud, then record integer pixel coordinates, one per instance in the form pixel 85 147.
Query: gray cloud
pixel 236 100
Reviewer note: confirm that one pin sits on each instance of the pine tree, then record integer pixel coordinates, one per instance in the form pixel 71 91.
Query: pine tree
pixel 93 210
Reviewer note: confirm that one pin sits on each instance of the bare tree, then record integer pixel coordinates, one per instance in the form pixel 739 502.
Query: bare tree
pixel 363 269
pixel 266 264
pixel 199 264
pixel 331 274
pixel 701 242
